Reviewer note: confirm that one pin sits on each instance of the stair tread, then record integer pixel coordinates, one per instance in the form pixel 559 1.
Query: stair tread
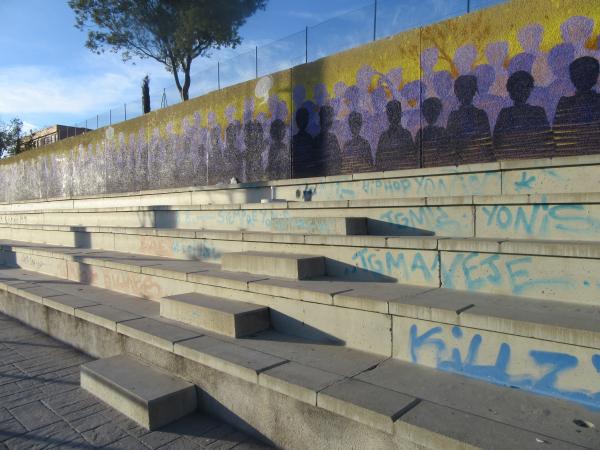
pixel 137 379
pixel 217 303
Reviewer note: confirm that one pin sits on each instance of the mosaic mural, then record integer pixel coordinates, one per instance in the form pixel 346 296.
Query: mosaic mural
pixel 519 80
pixel 532 92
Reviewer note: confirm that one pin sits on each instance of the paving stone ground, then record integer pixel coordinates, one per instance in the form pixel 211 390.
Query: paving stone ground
pixel 42 405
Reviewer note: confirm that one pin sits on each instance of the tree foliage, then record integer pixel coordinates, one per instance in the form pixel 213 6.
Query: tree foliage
pixel 10 137
pixel 172 32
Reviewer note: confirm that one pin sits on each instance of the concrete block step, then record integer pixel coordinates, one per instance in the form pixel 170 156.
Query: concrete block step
pixel 146 395
pixel 284 265
pixel 220 315
pixel 345 226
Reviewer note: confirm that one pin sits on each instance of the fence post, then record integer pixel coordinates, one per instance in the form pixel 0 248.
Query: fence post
pixel 375 21
pixel 468 6
pixel 219 74
pixel 86 127
pixel 125 110
pixel 97 121
pixel 256 58
pixel 306 45
pixel 110 117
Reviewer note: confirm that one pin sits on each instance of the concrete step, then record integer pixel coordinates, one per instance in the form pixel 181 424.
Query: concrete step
pixel 284 265
pixel 561 271
pixel 380 402
pixel 146 395
pixel 345 226
pixel 523 216
pixel 228 317
pixel 321 307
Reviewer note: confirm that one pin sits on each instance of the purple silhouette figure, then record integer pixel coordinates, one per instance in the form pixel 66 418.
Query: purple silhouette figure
pixel 559 59
pixel 464 59
pixel 578 31
pixel 443 85
pixel 492 104
pixel 497 54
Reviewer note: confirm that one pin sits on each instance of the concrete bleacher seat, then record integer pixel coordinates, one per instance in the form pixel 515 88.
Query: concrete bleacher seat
pixel 454 318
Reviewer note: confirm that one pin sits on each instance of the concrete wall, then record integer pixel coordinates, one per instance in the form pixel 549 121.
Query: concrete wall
pixel 445 87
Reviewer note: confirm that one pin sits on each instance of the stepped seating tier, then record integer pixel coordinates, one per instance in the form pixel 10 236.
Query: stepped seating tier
pixel 150 397
pixel 433 308
pixel 391 403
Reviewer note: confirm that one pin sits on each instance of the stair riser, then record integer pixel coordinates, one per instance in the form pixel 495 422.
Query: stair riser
pixel 552 221
pixel 326 225
pixel 548 368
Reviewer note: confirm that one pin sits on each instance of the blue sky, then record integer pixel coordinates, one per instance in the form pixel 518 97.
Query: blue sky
pixel 47 76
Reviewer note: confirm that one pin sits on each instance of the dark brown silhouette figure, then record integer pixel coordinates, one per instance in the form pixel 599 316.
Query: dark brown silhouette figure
pixel 469 127
pixel 432 140
pixel 303 151
pixel 522 130
pixel 577 120
pixel 328 157
pixel 278 164
pixel 234 164
pixel 254 141
pixel 357 151
pixel 395 148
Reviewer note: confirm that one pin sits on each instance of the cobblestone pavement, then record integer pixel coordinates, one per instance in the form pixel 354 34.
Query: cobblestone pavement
pixel 42 405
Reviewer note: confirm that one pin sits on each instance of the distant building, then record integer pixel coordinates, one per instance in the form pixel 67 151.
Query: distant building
pixel 50 135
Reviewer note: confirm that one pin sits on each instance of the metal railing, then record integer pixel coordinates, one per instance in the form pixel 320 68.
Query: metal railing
pixel 374 21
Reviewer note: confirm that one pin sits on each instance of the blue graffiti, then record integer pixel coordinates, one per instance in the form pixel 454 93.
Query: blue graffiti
pixel 452 184
pixel 511 272
pixel 200 251
pixel 525 183
pixel 551 364
pixel 431 219
pixel 395 264
pixel 540 219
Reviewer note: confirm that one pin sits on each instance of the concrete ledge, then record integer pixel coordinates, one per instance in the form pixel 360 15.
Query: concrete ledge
pixel 242 363
pixel 146 395
pixel 366 403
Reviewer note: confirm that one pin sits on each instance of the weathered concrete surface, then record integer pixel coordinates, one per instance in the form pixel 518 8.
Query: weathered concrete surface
pixel 229 317
pixel 146 395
